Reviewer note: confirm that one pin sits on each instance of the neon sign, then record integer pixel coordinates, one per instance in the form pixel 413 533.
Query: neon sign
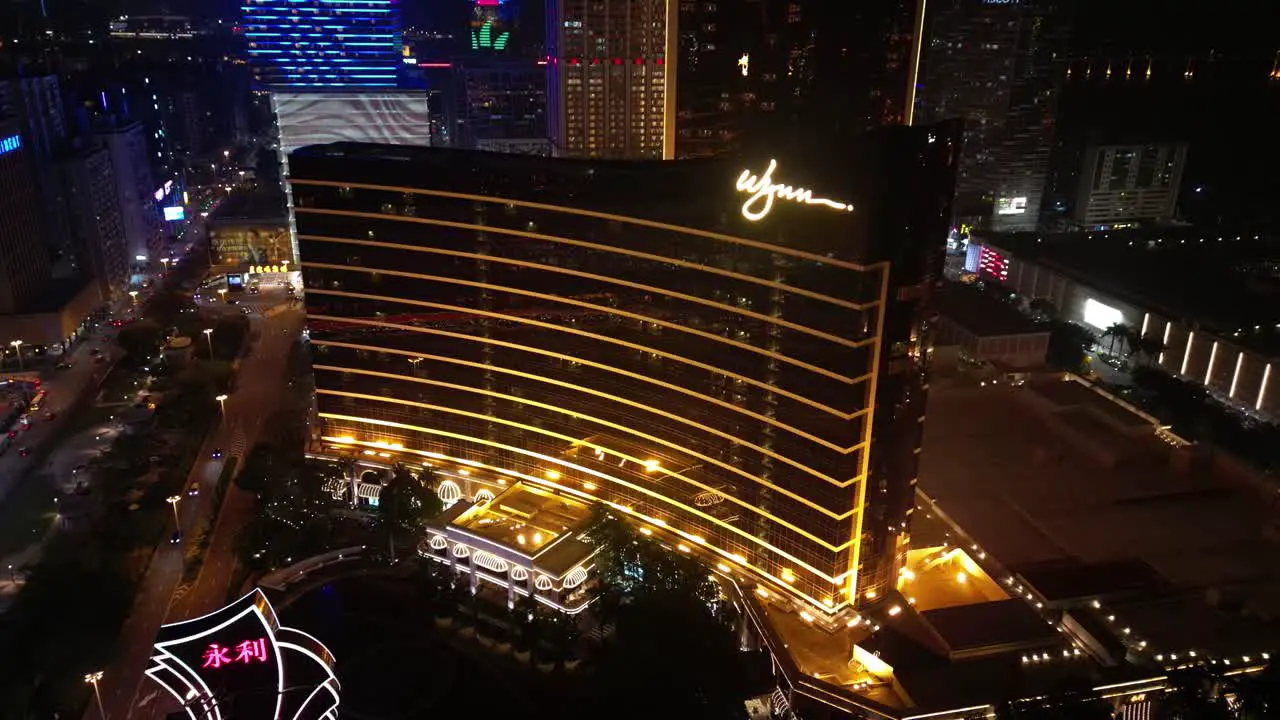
pixel 246 653
pixel 764 190
pixel 744 63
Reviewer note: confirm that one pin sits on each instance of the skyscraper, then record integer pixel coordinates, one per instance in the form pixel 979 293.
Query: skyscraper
pixel 126 145
pixel 24 255
pixel 323 43
pixel 93 205
pixel 611 73
pixel 738 369
pixel 999 66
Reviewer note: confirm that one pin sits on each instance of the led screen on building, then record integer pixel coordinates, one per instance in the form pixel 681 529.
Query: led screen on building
pixel 394 118
pixel 1100 315
pixel 175 214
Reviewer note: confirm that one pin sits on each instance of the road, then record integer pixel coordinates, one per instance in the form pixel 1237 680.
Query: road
pixel 260 388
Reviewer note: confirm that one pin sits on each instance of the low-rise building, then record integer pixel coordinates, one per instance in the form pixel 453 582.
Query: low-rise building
pixel 526 540
pixel 982 327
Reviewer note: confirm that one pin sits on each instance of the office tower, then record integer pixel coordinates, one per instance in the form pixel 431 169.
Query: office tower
pixel 126 146
pixel 611 78
pixel 93 206
pixel 323 43
pixel 999 67
pixel 1129 183
pixel 35 104
pixel 575 325
pixel 501 105
pixel 24 255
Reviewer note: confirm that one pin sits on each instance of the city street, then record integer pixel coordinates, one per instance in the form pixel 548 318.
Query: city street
pixel 260 388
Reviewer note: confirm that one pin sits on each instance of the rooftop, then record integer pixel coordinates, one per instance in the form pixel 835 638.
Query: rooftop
pixel 1084 501
pixel 251 206
pixel 1227 279
pixel 524 518
pixel 982 314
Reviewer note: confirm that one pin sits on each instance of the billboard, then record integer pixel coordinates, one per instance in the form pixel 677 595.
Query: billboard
pixel 392 118
pixel 177 213
pixel 235 282
pixel 241 661
pixel 1011 205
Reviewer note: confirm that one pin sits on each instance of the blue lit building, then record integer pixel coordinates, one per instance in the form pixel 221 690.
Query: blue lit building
pixel 319 44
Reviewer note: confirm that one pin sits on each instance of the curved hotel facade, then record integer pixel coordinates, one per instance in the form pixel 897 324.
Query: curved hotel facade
pixel 730 351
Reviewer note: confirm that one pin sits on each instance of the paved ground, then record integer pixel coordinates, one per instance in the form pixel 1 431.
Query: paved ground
pixel 260 389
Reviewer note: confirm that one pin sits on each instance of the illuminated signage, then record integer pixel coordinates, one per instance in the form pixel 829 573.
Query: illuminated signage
pixel 744 63
pixel 241 662
pixel 245 652
pixel 1011 206
pixel 175 213
pixel 158 194
pixel 9 144
pixel 763 190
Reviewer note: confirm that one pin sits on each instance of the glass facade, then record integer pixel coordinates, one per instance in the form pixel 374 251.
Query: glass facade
pixel 321 44
pixel 620 330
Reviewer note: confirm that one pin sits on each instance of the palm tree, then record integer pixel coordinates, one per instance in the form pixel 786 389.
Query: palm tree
pixel 1150 348
pixel 1119 331
pixel 1043 307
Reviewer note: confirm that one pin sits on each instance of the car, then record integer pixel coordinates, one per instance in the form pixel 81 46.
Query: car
pixel 194 489
pixel 24 451
pixel 99 360
pixel 64 366
pixel 97 351
pixel 176 537
pixel 217 453
pixel 50 415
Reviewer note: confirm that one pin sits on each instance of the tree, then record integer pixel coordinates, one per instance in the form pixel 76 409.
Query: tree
pixel 257 468
pixel 1149 347
pixel 1119 332
pixel 707 678
pixel 1068 344
pixel 1258 693
pixel 1195 696
pixel 139 340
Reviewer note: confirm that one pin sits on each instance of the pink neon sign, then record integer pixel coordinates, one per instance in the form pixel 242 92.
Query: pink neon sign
pixel 246 653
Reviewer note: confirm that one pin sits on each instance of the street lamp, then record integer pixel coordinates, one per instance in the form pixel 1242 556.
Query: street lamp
pixel 222 402
pixel 93 678
pixel 173 501
pixel 134 294
pixel 208 335
pixel 222 293
pixel 17 350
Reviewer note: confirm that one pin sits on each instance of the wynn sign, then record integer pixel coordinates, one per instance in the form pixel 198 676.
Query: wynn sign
pixel 239 661
pixel 764 190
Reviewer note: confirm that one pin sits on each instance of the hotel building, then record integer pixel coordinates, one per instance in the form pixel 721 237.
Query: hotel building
pixel 730 352
pixel 611 73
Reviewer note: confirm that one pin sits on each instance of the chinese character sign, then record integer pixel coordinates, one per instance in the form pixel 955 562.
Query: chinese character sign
pixel 245 653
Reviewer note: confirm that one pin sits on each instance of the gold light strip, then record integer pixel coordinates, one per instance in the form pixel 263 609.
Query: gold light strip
pixel 585 443
pixel 590 245
pixel 602 476
pixel 571 358
pixel 494 200
pixel 598 393
pixel 601 278
pixel 855 555
pixel 593 336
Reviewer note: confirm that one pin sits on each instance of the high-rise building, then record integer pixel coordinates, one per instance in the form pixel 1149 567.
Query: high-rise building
pixel 501 105
pixel 999 66
pixel 576 325
pixel 323 43
pixel 126 146
pixel 1128 183
pixel 24 254
pixel 36 105
pixel 611 74
pixel 93 206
